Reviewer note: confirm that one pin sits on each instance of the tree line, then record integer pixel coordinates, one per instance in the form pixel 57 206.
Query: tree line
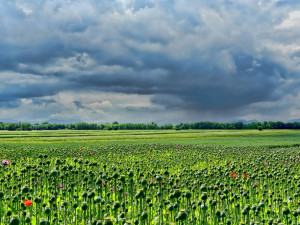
pixel 149 126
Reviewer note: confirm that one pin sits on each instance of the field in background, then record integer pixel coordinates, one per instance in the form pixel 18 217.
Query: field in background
pixel 201 137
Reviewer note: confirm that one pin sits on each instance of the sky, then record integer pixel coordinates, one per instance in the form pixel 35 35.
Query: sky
pixel 166 61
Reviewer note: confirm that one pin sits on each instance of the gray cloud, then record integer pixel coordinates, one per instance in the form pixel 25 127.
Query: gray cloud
pixel 218 58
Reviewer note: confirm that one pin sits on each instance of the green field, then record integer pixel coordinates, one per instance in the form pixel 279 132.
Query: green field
pixel 150 177
pixel 201 137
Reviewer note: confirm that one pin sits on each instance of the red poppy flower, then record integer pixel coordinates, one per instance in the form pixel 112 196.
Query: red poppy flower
pixel 27 202
pixel 235 175
pixel 245 175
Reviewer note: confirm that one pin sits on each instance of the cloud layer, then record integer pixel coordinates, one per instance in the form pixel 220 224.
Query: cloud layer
pixel 149 60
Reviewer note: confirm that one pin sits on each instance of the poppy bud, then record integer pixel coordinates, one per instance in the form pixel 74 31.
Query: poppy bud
pixel 177 193
pixel 84 206
pixel 143 182
pixel 98 200
pixel 15 220
pixel 261 205
pixel 139 194
pixel 270 221
pixel 25 189
pixel 158 178
pixel 91 194
pixel 65 203
pixel 54 173
pixel 171 208
pixel 47 211
pixel 204 196
pixel 43 222
pixel 182 215
pixel 130 174
pixel 27 219
pixel 188 195
pixel 122 178
pixel 144 215
pixel 116 206
pixel 286 211
pixel 204 207
pixel 37 200
pixel 84 194
pixel 244 212
pixel 223 214
pixel 203 188
pixel 115 175
pixel 122 215
pixel 247 208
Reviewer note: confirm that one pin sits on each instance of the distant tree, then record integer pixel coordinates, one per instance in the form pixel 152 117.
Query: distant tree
pixel 177 127
pixel 238 125
pixel 25 126
pixel 107 126
pixel 11 126
pixel 2 126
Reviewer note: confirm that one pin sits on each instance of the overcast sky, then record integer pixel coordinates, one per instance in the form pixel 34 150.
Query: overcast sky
pixel 166 61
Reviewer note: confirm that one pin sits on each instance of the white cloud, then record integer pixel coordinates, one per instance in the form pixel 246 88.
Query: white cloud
pixel 112 60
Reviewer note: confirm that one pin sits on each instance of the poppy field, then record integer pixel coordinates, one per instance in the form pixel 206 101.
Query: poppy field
pixel 149 184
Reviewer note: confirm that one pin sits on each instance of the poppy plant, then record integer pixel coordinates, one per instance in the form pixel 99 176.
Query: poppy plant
pixel 27 202
pixel 5 162
pixel 179 188
pixel 233 174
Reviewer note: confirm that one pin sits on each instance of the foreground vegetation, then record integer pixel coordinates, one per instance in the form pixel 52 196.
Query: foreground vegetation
pixel 149 184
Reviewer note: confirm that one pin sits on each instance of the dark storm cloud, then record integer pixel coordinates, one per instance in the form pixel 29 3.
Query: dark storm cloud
pixel 39 101
pixel 79 105
pixel 10 103
pixel 141 109
pixel 215 56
